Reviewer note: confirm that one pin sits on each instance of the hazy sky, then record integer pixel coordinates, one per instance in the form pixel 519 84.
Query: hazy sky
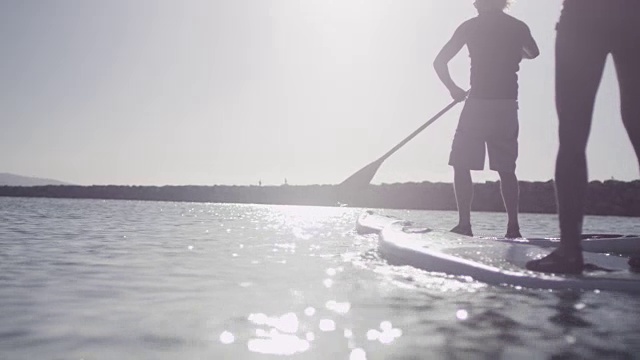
pixel 236 91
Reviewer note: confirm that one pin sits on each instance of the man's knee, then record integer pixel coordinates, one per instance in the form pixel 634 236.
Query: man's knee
pixel 571 152
pixel 461 174
pixel 508 175
pixel 461 169
pixel 573 135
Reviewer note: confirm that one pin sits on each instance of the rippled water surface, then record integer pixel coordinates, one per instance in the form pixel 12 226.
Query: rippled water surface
pixel 90 279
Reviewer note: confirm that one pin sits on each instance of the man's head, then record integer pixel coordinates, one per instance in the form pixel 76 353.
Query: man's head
pixel 491 5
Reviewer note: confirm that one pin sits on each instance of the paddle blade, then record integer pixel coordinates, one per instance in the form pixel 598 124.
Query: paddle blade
pixel 363 176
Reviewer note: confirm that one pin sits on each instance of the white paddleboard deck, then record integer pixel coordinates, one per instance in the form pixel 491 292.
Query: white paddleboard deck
pixel 490 261
pixel 370 222
pixel 497 263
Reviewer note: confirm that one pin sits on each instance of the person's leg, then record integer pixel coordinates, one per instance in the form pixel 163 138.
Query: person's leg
pixel 580 60
pixel 502 146
pixel 627 61
pixel 467 153
pixel 510 196
pixel 463 186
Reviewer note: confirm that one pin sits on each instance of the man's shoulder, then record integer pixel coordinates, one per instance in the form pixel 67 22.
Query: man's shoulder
pixel 469 22
pixel 467 25
pixel 516 22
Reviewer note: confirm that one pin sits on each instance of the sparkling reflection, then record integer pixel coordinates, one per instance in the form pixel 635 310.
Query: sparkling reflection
pixel 278 344
pixel 462 314
pixel 310 311
pixel 301 234
pixel 281 338
pixel 358 354
pixel 340 308
pixel 227 338
pixel 327 325
pixel 385 335
pixel 287 323
pixel 373 334
pixel 386 325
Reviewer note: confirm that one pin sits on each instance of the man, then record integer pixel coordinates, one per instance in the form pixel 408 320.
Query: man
pixel 588 31
pixel 497 44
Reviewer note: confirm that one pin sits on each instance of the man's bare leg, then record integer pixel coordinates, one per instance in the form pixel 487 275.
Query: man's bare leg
pixel 628 71
pixel 579 68
pixel 463 187
pixel 510 196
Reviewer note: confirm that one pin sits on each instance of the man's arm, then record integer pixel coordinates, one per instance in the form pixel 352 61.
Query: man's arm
pixel 530 48
pixel 441 64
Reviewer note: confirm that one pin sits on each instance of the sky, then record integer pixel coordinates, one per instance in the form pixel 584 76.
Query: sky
pixel 236 92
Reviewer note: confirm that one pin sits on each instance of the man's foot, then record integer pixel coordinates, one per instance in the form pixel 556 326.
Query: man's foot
pixel 560 262
pixel 462 230
pixel 513 233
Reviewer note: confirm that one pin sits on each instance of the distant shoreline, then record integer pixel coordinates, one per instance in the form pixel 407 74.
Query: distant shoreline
pixel 611 197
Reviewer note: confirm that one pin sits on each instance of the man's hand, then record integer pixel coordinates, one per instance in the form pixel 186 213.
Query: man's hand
pixel 458 93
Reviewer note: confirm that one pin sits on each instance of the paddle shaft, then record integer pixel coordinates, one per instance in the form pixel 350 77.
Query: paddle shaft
pixel 419 130
pixel 366 174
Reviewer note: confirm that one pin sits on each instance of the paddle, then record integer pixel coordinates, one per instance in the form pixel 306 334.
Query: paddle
pixel 365 175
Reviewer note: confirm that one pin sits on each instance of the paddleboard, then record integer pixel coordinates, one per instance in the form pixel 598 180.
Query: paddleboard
pixel 371 222
pixel 497 263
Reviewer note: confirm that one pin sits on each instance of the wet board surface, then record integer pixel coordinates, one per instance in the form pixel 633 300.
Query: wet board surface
pixel 370 222
pixel 495 262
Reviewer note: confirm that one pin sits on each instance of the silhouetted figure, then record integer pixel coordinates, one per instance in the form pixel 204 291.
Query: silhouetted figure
pixel 588 31
pixel 497 44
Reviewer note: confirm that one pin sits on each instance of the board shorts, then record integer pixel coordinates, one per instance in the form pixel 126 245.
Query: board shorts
pixel 490 124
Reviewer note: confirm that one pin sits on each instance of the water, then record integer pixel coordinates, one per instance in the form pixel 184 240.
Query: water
pixel 92 279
